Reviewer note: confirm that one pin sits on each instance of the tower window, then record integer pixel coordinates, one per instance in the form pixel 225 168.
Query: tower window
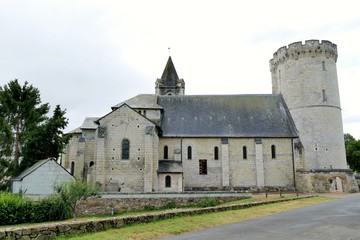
pixel 323 66
pixel 244 152
pixel 72 168
pixel 168 181
pixel 166 152
pixel 125 149
pixel 91 163
pixel 216 153
pixel 189 152
pixel 273 151
pixel 203 167
pixel 324 96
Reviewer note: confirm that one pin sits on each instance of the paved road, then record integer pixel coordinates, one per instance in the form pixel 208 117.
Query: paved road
pixel 338 219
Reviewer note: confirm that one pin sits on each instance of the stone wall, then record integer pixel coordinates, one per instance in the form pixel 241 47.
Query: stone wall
pixel 51 230
pixel 331 180
pixel 133 202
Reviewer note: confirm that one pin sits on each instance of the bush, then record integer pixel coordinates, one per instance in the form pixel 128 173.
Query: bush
pixel 15 209
pixel 208 202
pixel 170 205
pixel 51 209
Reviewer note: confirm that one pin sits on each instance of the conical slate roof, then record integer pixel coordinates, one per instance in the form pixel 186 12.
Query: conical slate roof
pixel 169 76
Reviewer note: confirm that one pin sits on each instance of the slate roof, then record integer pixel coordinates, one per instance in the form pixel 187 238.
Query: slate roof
pixel 261 115
pixel 89 123
pixel 169 76
pixel 170 166
pixel 31 169
pixel 143 101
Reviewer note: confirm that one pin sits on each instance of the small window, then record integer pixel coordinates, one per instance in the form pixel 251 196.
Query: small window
pixel 203 167
pixel 324 95
pixel 273 151
pixel 189 152
pixel 72 168
pixel 216 153
pixel 168 181
pixel 244 152
pixel 166 152
pixel 91 163
pixel 125 149
pixel 323 66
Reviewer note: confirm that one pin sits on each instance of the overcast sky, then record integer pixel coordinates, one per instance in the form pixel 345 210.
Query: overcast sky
pixel 90 55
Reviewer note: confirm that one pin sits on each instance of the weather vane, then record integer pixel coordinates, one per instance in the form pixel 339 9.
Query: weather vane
pixel 169 51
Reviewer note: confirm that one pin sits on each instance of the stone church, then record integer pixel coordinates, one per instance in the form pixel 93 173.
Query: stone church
pixel 171 142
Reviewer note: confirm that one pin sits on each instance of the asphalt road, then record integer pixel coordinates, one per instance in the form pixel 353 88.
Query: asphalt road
pixel 338 219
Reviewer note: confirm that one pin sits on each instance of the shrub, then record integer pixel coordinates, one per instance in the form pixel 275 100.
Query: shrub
pixel 208 202
pixel 170 205
pixel 51 209
pixel 15 209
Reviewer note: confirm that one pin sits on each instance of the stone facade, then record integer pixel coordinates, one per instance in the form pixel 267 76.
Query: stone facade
pixel 171 142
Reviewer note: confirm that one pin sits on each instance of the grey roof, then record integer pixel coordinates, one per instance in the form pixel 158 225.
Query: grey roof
pixel 31 169
pixel 169 76
pixel 170 166
pixel 89 123
pixel 144 101
pixel 264 115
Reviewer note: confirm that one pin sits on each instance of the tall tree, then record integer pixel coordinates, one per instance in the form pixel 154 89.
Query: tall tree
pixel 46 141
pixel 22 118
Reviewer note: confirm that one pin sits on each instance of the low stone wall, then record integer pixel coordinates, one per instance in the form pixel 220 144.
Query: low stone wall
pixel 323 180
pixel 131 202
pixel 51 230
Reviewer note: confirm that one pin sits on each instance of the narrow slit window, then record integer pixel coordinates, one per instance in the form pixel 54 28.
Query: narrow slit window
pixel 324 96
pixel 189 152
pixel 244 152
pixel 72 168
pixel 216 153
pixel 323 66
pixel 273 151
pixel 166 152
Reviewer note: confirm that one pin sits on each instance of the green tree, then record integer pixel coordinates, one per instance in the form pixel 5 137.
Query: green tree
pixel 352 148
pixel 46 141
pixel 73 192
pixel 22 118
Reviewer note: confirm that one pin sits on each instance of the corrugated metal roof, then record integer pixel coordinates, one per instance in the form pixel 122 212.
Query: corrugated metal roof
pixel 264 115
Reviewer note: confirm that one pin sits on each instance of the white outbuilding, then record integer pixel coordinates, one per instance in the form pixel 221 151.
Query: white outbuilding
pixel 38 180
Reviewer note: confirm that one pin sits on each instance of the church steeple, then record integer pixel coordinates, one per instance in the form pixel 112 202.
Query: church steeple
pixel 169 83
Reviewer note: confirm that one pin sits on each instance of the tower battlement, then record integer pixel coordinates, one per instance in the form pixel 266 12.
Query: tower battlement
pixel 297 50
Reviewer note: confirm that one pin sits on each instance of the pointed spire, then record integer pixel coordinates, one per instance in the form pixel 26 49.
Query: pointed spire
pixel 169 75
pixel 169 83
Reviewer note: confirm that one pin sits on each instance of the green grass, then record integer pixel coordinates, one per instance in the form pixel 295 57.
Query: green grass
pixel 179 225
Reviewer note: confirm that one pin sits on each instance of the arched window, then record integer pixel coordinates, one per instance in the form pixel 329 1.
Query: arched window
pixel 166 152
pixel 168 181
pixel 91 163
pixel 244 152
pixel 216 153
pixel 125 149
pixel 273 151
pixel 189 152
pixel 72 168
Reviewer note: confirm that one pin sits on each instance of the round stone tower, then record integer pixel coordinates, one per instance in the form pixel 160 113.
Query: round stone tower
pixel 305 75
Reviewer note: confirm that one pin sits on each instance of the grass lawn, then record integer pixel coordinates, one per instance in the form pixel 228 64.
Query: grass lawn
pixel 180 225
